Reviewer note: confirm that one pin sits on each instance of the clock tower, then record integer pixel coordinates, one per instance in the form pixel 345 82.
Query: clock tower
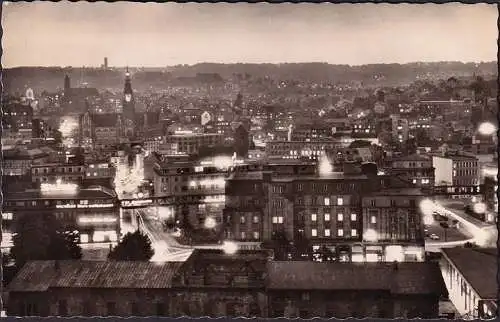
pixel 128 107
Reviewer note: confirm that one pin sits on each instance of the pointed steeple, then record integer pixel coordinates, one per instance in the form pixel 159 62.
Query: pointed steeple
pixel 128 84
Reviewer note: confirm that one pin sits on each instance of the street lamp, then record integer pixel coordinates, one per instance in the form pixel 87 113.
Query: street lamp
pixel 370 235
pixel 230 248
pixel 479 208
pixel 210 223
pixel 487 128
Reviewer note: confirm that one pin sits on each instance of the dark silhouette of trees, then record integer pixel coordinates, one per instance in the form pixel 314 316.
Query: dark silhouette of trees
pixel 40 237
pixel 134 247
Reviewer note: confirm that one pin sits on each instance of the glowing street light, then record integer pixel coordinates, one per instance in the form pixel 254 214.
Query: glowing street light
pixel 427 207
pixel 325 167
pixel 487 128
pixel 210 223
pixel 394 253
pixel 479 208
pixel 370 235
pixel 230 248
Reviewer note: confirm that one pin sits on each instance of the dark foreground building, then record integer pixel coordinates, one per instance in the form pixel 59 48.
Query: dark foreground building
pixel 211 283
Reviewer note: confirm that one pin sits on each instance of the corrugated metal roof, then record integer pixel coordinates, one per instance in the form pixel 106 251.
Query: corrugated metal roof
pixel 42 275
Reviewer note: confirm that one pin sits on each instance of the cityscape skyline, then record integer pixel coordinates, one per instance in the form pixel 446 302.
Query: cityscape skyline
pixel 65 34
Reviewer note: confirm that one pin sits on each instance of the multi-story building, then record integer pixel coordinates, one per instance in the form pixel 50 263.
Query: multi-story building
pixel 456 170
pixel 310 131
pixel 18 162
pixel 93 212
pixel 416 168
pixel 393 226
pixel 204 181
pixel 190 143
pixel 301 149
pixel 51 172
pixel 400 128
pixel 17 117
pixel 212 283
pixel 99 173
pixel 328 210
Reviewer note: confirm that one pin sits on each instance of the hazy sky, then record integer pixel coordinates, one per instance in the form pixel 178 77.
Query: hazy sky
pixel 150 34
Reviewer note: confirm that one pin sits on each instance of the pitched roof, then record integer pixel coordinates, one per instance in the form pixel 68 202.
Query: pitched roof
pixel 469 260
pixel 38 276
pixel 408 278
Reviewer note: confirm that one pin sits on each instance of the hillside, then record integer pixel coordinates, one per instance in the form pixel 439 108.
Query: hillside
pixel 51 78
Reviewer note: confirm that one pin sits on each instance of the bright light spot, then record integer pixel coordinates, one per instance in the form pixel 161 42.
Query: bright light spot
pixel 487 128
pixel 479 208
pixel 229 248
pixel 325 167
pixel 370 235
pixel 428 220
pixel 394 253
pixel 210 223
pixel 59 188
pixel 490 172
pixel 164 213
pixel 427 207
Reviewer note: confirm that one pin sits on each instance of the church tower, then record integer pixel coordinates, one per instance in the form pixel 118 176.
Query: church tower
pixel 128 107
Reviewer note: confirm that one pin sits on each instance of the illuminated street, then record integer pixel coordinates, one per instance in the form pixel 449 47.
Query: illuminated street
pixel 482 234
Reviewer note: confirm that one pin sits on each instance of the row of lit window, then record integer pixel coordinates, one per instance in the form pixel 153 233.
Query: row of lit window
pixel 326 217
pixel 255 219
pixel 424 181
pixel 255 235
pixel 327 233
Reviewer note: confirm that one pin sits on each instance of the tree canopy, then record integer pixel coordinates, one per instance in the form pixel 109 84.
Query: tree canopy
pixel 40 237
pixel 134 246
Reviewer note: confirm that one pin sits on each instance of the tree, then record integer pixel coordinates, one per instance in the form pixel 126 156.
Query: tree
pixel 134 247
pixel 41 237
pixel 58 137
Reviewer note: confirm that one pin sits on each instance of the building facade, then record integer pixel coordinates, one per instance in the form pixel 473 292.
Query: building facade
pixel 94 213
pixel 211 283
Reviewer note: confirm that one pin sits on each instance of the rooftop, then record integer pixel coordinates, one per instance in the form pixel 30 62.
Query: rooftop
pixel 468 260
pixel 93 193
pixel 39 276
pixel 403 278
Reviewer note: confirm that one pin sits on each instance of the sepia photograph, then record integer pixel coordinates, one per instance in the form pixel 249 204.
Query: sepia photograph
pixel 257 160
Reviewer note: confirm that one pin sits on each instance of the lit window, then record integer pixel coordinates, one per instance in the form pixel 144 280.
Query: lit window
pixel 415 181
pixel 314 217
pixel 373 220
pixel 340 232
pixel 327 201
pixel 314 232
pixel 327 217
pixel 353 217
pixel 340 201
pixel 243 235
pixel 255 219
pixel 327 232
pixel 354 232
pixel 242 219
pixel 84 238
pixel 340 217
pixel 255 235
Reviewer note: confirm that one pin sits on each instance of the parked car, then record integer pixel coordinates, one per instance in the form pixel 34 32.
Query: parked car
pixel 434 237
